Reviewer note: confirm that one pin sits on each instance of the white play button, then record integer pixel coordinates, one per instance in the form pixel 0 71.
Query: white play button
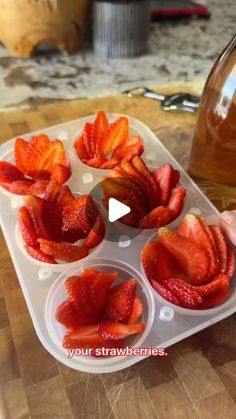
pixel 116 209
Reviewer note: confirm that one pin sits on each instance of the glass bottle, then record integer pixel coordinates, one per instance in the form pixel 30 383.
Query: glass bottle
pixel 213 155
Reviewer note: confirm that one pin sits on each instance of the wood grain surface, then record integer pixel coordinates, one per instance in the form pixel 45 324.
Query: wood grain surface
pixel 196 380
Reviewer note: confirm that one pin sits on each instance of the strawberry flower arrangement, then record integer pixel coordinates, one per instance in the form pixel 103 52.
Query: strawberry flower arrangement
pixel 51 226
pixel 192 267
pixel 98 313
pixel 37 161
pixel 103 145
pixel 155 197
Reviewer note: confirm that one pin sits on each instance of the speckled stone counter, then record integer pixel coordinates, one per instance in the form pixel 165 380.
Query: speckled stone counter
pixel 181 52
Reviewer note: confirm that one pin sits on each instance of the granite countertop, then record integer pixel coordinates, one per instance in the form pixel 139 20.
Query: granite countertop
pixel 179 53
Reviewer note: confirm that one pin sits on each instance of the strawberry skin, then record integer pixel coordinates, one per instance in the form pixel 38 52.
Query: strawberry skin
pixel 62 251
pixel 35 205
pixel 116 331
pixel 157 262
pixel 186 294
pixel 220 246
pixel 26 227
pixel 165 293
pixel 115 134
pixel 83 337
pixel 36 253
pixel 96 234
pixel 66 315
pixel 192 259
pixel 230 262
pixel 137 311
pixel 120 301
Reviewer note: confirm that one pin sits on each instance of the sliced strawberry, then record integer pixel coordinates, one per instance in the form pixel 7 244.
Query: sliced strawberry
pixel 158 217
pixel 83 337
pixel 115 134
pixel 192 259
pixel 65 198
pixel 39 141
pixel 221 247
pixel 21 187
pixel 81 149
pixel 98 292
pixel 212 286
pixel 187 295
pixel 78 288
pixel 26 227
pixel 137 311
pixel 218 296
pixel 109 164
pixel 9 173
pixel 39 187
pixel 157 262
pixel 89 138
pixel 163 176
pixel 96 235
pixel 133 146
pixel 66 315
pixel 193 228
pixel 134 216
pixel 176 202
pixel 36 253
pixel 129 170
pixel 34 204
pixel 96 162
pixel 165 293
pixel 151 184
pixel 230 262
pixel 101 124
pixel 120 189
pixel 80 214
pixel 52 193
pixel 63 251
pixel 175 178
pixel 120 301
pixel 109 330
pixel 60 173
pixel 19 154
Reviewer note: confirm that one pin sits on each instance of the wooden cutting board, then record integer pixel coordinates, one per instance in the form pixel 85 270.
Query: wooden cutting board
pixel 196 380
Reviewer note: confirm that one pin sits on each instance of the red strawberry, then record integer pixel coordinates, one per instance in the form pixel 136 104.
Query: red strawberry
pixel 98 292
pixel 158 217
pixel 218 296
pixel 120 301
pixel 38 187
pixel 221 247
pixel 95 161
pixel 81 149
pixel 165 293
pixel 26 227
pixel 152 187
pixel 60 173
pixel 80 214
pixel 133 146
pixel 65 198
pixel 129 170
pixel 119 189
pixel 78 289
pixel 115 134
pixel 19 154
pixel 163 177
pixel 176 202
pixel 96 235
pixel 193 228
pixel 109 330
pixel 20 187
pixel 63 251
pixel 187 295
pixel 157 262
pixel 109 164
pixel 175 178
pixel 89 138
pixel 101 124
pixel 66 315
pixel 192 259
pixel 34 205
pixel 137 311
pixel 52 193
pixel 83 337
pixel 230 262
pixel 36 253
pixel 9 173
pixel 212 286
pixel 134 216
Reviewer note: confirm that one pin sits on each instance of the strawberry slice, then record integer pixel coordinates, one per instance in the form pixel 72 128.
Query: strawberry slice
pixel 152 187
pixel 98 292
pixel 133 218
pixel 110 330
pixel 80 214
pixel 66 315
pixel 165 293
pixel 101 124
pixel 192 259
pixel 115 134
pixel 218 296
pixel 52 193
pixel 83 337
pixel 39 187
pixel 109 164
pixel 65 197
pixel 137 311
pixel 9 173
pixel 157 262
pixel 60 173
pixel 81 149
pixel 163 176
pixel 212 286
pixel 158 217
pixel 221 247
pixel 176 202
pixel 96 235
pixel 78 288
pixel 187 295
pixel 193 228
pixel 36 253
pixel 230 262
pixel 133 146
pixel 20 187
pixel 63 251
pixel 129 170
pixel 19 153
pixel 96 162
pixel 34 204
pixel 120 301
pixel 26 227
pixel 175 178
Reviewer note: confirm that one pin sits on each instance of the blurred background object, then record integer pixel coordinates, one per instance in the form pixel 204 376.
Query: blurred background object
pixel 25 24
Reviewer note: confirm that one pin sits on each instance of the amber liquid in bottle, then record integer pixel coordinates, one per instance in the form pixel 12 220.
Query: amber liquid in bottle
pixel 213 154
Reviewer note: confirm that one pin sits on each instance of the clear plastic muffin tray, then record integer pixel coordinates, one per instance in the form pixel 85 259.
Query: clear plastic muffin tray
pixel 42 284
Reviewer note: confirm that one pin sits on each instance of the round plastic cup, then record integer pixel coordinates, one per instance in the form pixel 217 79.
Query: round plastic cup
pixel 57 294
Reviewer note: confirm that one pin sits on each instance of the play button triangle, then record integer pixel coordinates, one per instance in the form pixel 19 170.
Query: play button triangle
pixel 116 209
